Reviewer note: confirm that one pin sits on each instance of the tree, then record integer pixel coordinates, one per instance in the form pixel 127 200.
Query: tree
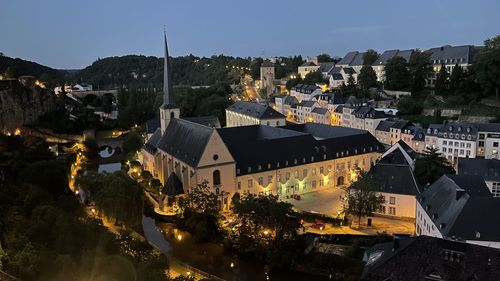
pixel 313 78
pixel 362 199
pixel 49 175
pixel 397 75
pixel 119 198
pixel 202 200
pixel 456 78
pixel 431 166
pixel 370 56
pixel 419 65
pixel 132 142
pixel 325 58
pixel 9 73
pixel 267 227
pixel 292 82
pixel 487 66
pixel 409 106
pixel 367 77
pixel 442 81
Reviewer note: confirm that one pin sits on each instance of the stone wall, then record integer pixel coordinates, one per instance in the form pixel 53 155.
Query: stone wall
pixel 21 105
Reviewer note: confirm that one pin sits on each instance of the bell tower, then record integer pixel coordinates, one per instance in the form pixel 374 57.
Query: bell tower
pixel 168 110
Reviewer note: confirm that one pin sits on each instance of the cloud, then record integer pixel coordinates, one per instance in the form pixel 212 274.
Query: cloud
pixel 357 29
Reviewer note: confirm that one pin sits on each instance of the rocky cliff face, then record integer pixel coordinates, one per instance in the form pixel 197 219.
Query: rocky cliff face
pixel 21 105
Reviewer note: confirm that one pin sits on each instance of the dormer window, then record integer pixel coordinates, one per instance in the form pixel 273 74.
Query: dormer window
pixel 445 135
pixel 436 131
pixel 469 137
pixel 462 136
pixel 457 136
pixel 459 128
pixel 468 129
pixel 451 128
pixel 429 131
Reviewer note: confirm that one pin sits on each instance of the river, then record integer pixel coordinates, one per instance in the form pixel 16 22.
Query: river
pixel 211 257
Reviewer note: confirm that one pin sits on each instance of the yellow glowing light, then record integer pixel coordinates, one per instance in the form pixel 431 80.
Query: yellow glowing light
pixel 232 265
pixel 17 132
pixel 179 237
pixel 93 211
pixel 77 192
pixel 266 232
pixel 188 273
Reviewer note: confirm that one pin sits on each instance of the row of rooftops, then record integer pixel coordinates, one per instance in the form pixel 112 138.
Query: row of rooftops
pixel 441 55
pixel 452 130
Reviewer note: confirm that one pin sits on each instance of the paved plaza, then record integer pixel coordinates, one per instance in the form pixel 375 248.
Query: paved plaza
pixel 329 202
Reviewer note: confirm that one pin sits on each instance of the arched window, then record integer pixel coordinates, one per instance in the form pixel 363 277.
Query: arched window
pixel 340 180
pixel 216 177
pixel 172 115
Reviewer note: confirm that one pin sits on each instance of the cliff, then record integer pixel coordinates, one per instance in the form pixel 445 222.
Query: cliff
pixel 21 105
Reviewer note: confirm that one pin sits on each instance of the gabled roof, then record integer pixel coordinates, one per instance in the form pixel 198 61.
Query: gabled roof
pixel 209 121
pixel 308 63
pixel 185 140
pixel 396 179
pixel 488 169
pixel 320 110
pixel 452 54
pixel 352 59
pixel 387 55
pixel 326 66
pixel 399 154
pixel 401 124
pixel 307 103
pixel 152 144
pixel 173 186
pixel 385 125
pixel 336 98
pixel 255 110
pixel 488 127
pixel 348 70
pixel 453 202
pixel 419 257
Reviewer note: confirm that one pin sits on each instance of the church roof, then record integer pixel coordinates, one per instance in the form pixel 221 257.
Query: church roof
pixel 185 140
pixel 209 121
pixel 173 186
pixel 152 144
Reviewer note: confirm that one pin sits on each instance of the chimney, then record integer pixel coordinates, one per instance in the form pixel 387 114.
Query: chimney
pixel 395 244
pixel 459 193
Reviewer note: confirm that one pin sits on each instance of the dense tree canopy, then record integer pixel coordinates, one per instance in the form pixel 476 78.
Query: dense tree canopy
pixel 370 56
pixel 362 200
pixel 397 75
pixel 367 77
pixel 487 66
pixel 431 167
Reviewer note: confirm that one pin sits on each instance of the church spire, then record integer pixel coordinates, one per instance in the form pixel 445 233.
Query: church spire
pixel 168 92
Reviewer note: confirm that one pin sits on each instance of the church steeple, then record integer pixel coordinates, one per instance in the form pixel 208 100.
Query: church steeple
pixel 168 110
pixel 168 98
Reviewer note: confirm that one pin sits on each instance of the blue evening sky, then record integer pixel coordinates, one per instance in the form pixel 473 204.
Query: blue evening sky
pixel 72 34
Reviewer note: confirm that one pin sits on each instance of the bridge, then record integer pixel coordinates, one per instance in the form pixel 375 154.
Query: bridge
pixel 100 93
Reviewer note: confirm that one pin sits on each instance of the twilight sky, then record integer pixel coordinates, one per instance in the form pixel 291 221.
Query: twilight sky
pixel 72 34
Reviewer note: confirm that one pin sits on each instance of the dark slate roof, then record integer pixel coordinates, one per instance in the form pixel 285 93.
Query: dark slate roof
pixel 454 54
pixel 152 125
pixel 173 186
pixel 459 128
pixel 334 70
pixel 273 147
pixel 304 88
pixel 308 63
pixel 353 101
pixel 460 206
pixel 209 121
pixel 488 127
pixel 347 59
pixel 419 134
pixel 385 125
pixel 349 70
pixel 434 129
pixel 185 140
pixel 488 169
pixel 397 157
pixel 336 98
pixel 358 60
pixel 369 112
pixel 256 110
pixel 387 55
pixel 397 179
pixel 320 110
pixel 326 66
pixel 401 124
pixel 339 109
pixel 152 144
pixel 290 100
pixel 307 103
pixel 419 257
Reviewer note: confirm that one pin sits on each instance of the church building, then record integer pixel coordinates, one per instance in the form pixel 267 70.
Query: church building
pixel 258 159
